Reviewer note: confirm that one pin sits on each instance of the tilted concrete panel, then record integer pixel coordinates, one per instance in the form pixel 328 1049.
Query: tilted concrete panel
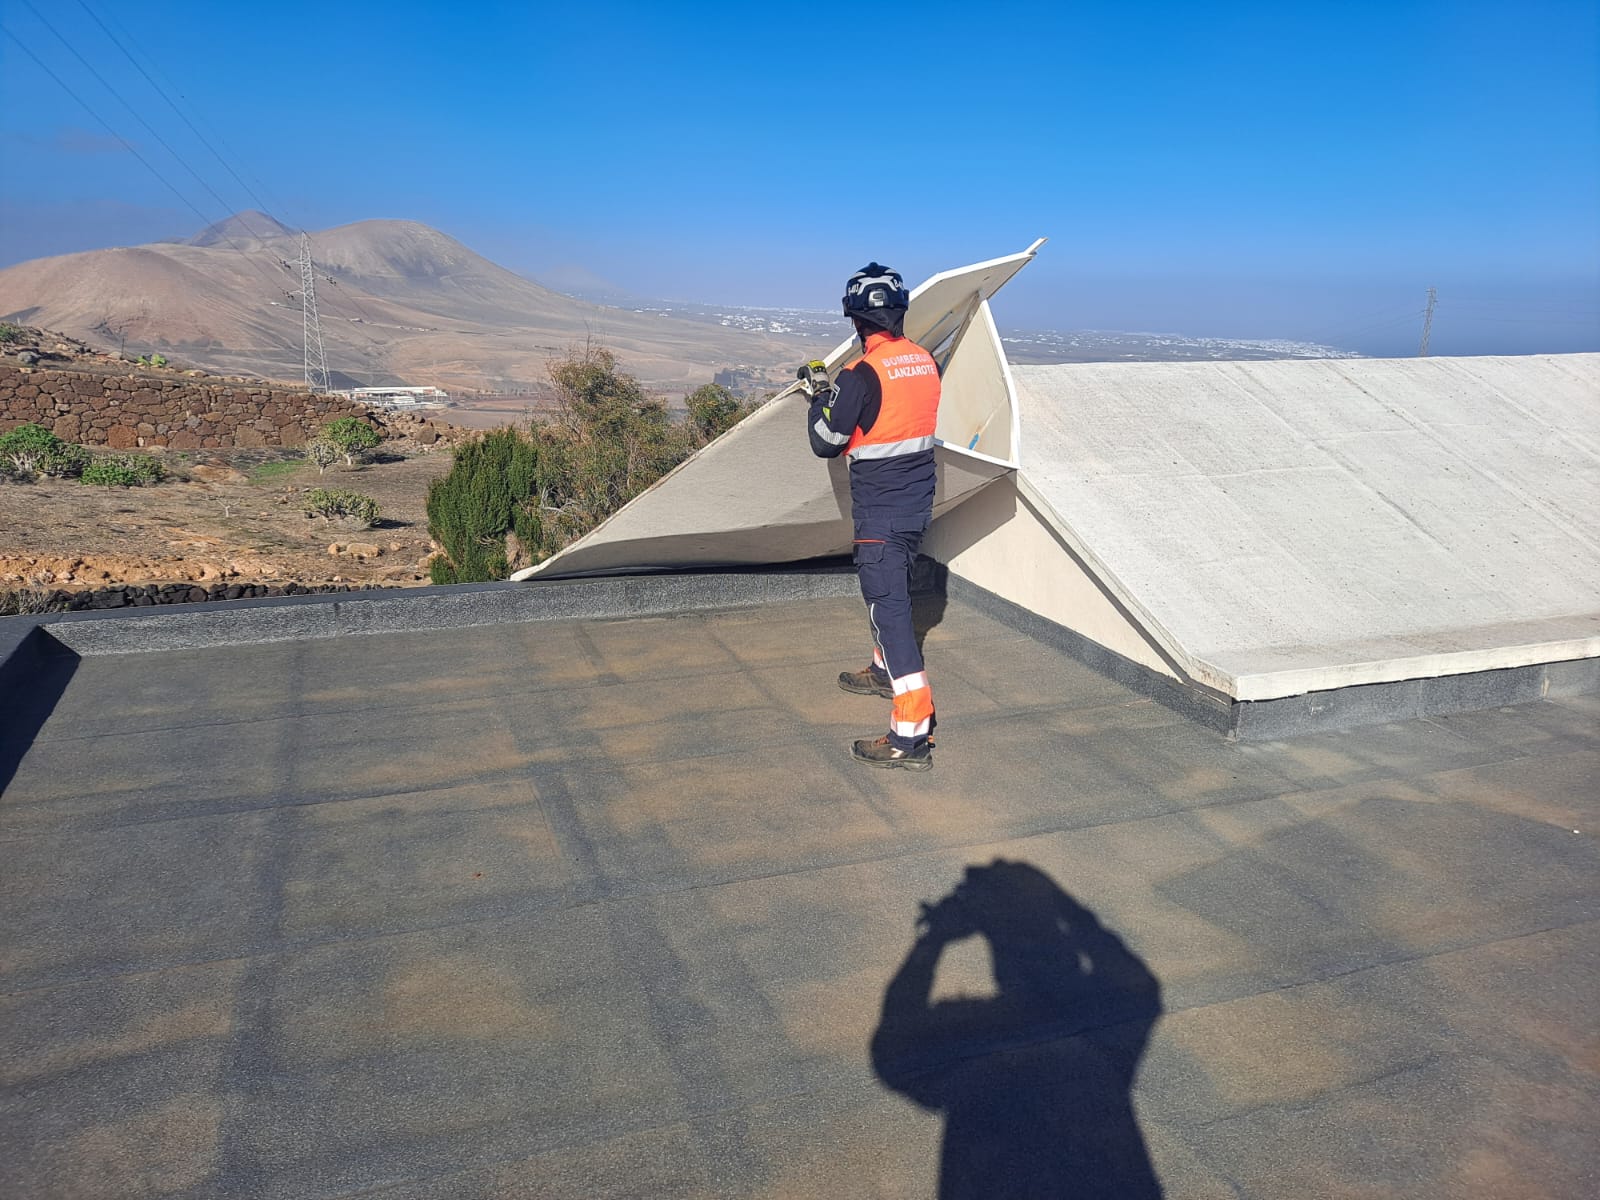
pixel 1002 541
pixel 758 494
pixel 1286 527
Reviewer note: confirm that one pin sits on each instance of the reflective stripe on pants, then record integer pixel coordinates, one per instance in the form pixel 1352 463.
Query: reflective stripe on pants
pixel 885 549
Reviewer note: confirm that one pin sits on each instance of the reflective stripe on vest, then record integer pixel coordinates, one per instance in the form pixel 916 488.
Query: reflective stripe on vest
pixel 909 380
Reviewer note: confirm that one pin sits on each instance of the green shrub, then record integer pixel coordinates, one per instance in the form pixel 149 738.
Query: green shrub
pixel 713 410
pixel 153 360
pixel 611 441
pixel 9 332
pixel 123 470
pixel 488 493
pixel 26 446
pixel 339 504
pixel 66 461
pixel 322 452
pixel 352 436
pixel 32 449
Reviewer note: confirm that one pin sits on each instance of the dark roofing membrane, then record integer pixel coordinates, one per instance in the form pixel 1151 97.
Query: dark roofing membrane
pixel 598 906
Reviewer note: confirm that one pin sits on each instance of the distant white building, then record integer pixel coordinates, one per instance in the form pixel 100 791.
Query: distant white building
pixel 402 397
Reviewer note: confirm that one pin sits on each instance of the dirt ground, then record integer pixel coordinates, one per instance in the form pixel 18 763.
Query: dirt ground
pixel 222 515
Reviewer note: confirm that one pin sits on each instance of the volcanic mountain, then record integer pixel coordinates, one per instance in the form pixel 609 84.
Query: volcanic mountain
pixel 400 302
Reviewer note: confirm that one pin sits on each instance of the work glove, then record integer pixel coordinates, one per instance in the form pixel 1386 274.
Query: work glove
pixel 814 380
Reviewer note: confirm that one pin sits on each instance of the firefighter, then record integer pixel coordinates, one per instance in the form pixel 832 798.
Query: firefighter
pixel 880 415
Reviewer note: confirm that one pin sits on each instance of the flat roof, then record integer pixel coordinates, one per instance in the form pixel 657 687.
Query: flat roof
pixel 580 908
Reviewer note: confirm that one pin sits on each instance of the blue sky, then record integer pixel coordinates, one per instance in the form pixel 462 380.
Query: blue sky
pixel 1244 170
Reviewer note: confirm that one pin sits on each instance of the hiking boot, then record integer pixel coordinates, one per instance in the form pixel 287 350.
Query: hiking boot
pixel 870 682
pixel 881 752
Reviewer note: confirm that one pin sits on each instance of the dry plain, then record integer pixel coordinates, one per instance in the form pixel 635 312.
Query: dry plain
pixel 223 515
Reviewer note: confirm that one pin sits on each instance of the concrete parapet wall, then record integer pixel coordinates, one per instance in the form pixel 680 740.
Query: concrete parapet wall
pixel 130 411
pixel 290 618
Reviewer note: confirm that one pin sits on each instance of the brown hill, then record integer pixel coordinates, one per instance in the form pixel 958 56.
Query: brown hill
pixel 400 302
pixel 248 226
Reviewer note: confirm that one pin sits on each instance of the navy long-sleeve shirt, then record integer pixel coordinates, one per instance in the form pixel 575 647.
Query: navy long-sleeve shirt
pixel 879 487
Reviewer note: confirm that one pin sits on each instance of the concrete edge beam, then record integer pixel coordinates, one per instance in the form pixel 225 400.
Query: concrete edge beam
pixel 1313 712
pixel 1276 685
pixel 1433 696
pixel 291 618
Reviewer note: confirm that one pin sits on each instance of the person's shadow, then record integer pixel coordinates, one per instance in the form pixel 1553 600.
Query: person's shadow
pixel 1034 1082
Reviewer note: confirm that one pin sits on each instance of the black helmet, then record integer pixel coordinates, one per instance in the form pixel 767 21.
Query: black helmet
pixel 876 295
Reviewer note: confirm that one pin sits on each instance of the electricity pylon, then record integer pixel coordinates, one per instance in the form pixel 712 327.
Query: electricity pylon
pixel 1427 323
pixel 311 324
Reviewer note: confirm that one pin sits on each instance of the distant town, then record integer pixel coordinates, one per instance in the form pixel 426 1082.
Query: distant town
pixel 1022 345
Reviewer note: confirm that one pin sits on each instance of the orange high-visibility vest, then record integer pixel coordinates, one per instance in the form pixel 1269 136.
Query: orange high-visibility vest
pixel 910 409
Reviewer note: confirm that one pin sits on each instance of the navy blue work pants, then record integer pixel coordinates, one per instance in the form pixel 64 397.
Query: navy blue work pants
pixel 885 549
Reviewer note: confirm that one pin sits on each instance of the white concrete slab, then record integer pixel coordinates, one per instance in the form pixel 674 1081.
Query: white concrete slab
pixel 1284 527
pixel 758 494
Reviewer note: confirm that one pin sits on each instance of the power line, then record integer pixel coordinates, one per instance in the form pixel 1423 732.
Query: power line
pixel 156 67
pixel 126 145
pixel 88 66
pixel 26 49
pixel 160 91
pixel 206 221
pixel 1481 307
pixel 1369 324
pixel 261 204
pixel 1492 320
pixel 220 231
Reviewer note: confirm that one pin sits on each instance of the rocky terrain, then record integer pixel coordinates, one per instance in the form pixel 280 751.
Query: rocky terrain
pixel 221 518
pixel 227 520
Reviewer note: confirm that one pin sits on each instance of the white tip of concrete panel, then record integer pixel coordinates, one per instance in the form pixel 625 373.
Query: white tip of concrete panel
pixel 1292 526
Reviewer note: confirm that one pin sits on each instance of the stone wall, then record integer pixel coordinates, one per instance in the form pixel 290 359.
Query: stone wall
pixel 129 411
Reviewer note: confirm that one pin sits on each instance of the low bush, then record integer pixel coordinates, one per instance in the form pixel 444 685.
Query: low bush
pixel 488 494
pixel 26 447
pixel 322 452
pixel 32 449
pixel 66 461
pixel 353 437
pixel 713 410
pixel 9 332
pixel 123 470
pixel 339 504
pixel 25 601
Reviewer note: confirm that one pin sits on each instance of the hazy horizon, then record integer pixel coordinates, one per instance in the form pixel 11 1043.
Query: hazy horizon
pixel 1239 172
